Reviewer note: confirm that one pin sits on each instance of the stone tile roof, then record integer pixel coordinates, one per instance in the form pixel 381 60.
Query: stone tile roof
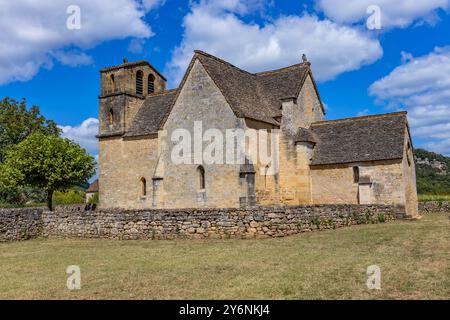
pixel 151 113
pixel 285 82
pixel 93 187
pixel 370 138
pixel 305 135
pixel 254 96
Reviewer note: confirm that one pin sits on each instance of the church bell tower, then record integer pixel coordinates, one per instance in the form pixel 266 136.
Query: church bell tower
pixel 123 89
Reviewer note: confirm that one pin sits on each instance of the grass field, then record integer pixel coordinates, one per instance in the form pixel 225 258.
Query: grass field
pixel 433 197
pixel 414 257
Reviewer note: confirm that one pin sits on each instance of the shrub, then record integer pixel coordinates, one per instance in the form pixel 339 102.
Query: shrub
pixel 381 217
pixel 69 197
pixel 25 234
pixel 153 234
pixel 94 199
pixel 316 221
pixel 361 219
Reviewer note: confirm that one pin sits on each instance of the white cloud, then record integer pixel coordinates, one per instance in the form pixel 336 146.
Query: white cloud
pixel 332 49
pixel 240 7
pixel 152 4
pixel 136 45
pixel 394 13
pixel 32 31
pixel 422 86
pixel 442 147
pixel 72 58
pixel 406 57
pixel 83 134
pixel 363 112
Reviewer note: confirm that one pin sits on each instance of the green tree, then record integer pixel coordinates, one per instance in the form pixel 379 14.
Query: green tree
pixel 47 162
pixel 17 122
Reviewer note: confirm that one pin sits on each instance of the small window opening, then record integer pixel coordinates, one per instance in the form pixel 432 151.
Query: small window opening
pixel 151 84
pixel 356 174
pixel 110 117
pixel 201 176
pixel 265 176
pixel 143 187
pixel 112 83
pixel 408 151
pixel 139 83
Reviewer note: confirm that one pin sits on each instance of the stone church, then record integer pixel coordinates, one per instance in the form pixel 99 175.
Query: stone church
pixel 362 160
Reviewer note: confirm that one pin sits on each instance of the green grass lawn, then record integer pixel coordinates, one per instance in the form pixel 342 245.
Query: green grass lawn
pixel 414 257
pixel 433 197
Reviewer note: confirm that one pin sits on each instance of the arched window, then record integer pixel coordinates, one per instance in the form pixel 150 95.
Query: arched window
pixel 151 84
pixel 139 83
pixel 110 117
pixel 112 83
pixel 201 177
pixel 143 187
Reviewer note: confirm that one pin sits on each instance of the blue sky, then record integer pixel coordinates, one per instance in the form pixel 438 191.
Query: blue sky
pixel 403 65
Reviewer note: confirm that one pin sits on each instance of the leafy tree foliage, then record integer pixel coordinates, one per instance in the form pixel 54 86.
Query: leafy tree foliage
pixel 21 196
pixel 47 162
pixel 17 122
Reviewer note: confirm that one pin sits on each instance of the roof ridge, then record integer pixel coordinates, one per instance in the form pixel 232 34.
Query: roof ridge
pixel 162 93
pixel 208 55
pixel 247 72
pixel 125 64
pixel 382 115
pixel 263 73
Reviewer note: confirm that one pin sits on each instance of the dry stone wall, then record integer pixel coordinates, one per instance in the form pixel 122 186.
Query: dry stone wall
pixel 20 224
pixel 434 206
pixel 210 223
pixel 75 221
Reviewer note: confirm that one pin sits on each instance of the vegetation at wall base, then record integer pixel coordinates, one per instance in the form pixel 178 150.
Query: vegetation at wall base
pixel 94 199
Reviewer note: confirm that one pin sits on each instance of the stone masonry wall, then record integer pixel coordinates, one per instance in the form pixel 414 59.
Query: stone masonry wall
pixel 260 222
pixel 335 183
pixel 434 206
pixel 210 223
pixel 20 224
pixel 199 99
pixel 122 165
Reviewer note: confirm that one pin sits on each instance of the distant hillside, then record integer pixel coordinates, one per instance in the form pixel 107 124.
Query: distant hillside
pixel 433 172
